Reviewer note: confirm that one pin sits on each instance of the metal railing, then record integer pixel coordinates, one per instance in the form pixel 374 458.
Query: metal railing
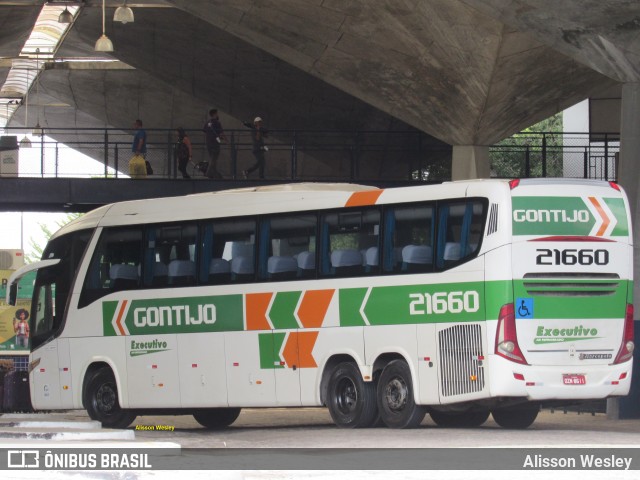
pixel 318 155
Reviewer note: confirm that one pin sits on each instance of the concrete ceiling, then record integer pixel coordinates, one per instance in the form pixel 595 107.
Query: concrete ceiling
pixel 466 72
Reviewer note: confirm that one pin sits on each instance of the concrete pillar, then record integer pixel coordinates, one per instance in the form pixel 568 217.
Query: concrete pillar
pixel 629 174
pixel 629 178
pixel 470 162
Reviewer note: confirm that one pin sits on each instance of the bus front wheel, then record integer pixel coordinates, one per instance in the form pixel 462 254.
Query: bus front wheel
pixel 396 401
pixel 517 417
pixel 215 418
pixel 101 401
pixel 351 400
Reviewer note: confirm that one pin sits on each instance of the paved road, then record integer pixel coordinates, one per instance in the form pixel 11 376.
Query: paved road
pixel 312 427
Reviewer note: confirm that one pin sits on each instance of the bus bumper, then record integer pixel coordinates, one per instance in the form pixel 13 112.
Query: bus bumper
pixel 577 382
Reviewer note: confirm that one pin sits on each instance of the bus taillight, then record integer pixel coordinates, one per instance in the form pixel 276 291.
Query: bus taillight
pixel 626 349
pixel 506 337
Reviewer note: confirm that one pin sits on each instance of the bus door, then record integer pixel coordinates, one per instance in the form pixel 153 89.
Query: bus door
pixel 45 322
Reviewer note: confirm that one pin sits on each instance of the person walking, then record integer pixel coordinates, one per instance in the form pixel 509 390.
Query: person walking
pixel 139 146
pixel 183 152
pixel 258 134
pixel 214 136
pixel 139 167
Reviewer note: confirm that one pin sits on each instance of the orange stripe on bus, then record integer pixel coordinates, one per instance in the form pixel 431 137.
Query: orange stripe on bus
pixel 119 319
pixel 361 199
pixel 257 305
pixel 290 350
pixel 306 342
pixel 605 218
pixel 313 307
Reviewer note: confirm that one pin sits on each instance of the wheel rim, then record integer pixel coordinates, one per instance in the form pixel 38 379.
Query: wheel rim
pixel 346 396
pixel 396 393
pixel 106 399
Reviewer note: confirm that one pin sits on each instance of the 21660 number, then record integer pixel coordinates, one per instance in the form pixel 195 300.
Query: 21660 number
pixel 572 256
pixel 444 302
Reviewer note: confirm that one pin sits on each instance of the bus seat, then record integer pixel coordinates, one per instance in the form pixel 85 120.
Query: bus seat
pixel 241 269
pixel 452 251
pixel 219 271
pixel 417 258
pixel 306 264
pixel 346 262
pixel 160 274
pixel 182 272
pixel 282 268
pixel 397 255
pixel 123 276
pixel 372 261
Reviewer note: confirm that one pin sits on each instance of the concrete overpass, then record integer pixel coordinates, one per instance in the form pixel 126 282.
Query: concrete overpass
pixel 467 72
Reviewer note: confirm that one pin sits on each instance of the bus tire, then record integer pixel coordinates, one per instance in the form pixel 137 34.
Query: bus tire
pixel 469 419
pixel 216 418
pixel 351 400
pixel 517 417
pixel 396 400
pixel 101 401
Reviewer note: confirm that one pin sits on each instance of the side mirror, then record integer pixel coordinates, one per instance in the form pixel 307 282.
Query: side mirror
pixel 13 294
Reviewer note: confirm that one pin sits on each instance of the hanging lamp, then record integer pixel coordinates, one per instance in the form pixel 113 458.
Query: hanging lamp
pixel 66 16
pixel 103 44
pixel 123 14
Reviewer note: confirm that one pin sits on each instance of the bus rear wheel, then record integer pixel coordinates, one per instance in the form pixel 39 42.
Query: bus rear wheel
pixel 101 401
pixel 516 417
pixel 467 419
pixel 396 401
pixel 351 400
pixel 215 418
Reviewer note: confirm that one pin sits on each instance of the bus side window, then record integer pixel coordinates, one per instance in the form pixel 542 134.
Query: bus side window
pixel 460 226
pixel 227 253
pixel 284 240
pixel 409 239
pixel 347 240
pixel 170 255
pixel 115 264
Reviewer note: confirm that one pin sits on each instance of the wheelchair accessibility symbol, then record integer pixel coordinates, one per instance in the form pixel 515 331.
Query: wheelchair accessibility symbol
pixel 524 308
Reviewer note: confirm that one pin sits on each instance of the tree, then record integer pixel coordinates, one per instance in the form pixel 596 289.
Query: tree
pixel 36 249
pixel 540 143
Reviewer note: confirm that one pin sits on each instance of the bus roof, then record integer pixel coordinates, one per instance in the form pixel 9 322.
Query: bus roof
pixel 282 198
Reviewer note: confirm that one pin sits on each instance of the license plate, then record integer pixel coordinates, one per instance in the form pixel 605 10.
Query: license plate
pixel 574 379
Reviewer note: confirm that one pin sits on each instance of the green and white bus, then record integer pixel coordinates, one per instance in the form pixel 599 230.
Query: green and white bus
pixel 459 300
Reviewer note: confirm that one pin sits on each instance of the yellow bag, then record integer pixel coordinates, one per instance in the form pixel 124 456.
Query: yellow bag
pixel 137 167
